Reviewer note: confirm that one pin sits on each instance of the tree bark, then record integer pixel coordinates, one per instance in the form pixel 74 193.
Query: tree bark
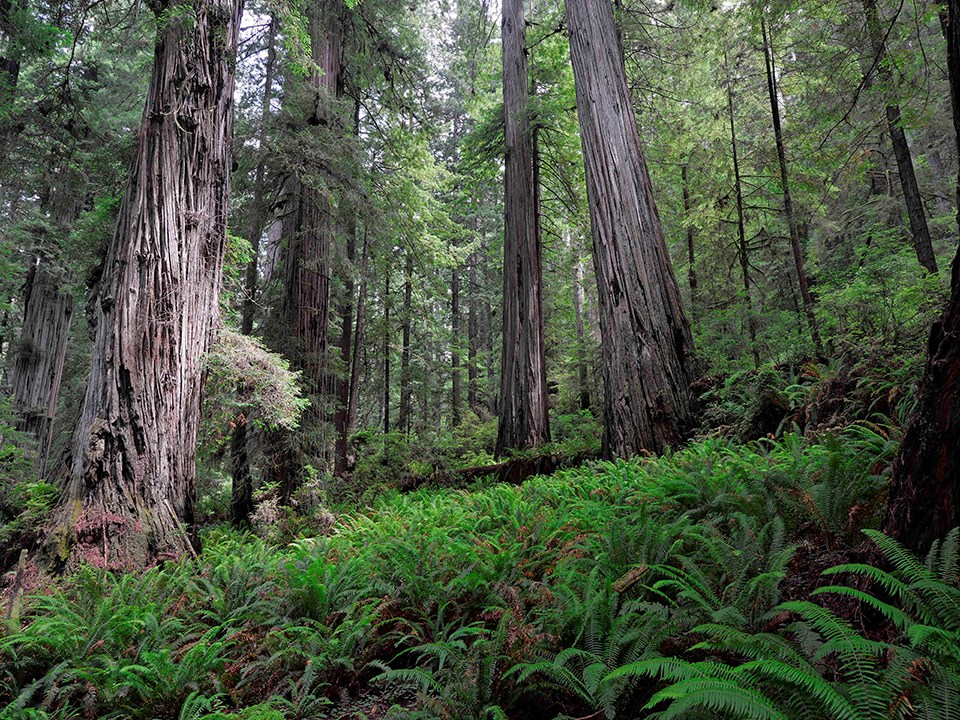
pixel 241 491
pixel 38 362
pixel 341 411
pixel 523 410
pixel 583 381
pixel 129 490
pixel 901 149
pixel 358 337
pixel 647 346
pixel 306 301
pixel 925 492
pixel 802 280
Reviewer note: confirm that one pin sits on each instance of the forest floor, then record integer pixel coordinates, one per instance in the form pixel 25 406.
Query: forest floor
pixel 691 584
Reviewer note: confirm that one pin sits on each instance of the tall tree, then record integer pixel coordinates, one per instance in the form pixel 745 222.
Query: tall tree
pixel 647 346
pixel 129 490
pixel 798 264
pixel 523 411
pixel 925 492
pixel 901 149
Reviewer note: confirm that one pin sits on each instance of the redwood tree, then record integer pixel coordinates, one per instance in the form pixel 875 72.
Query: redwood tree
pixel 925 493
pixel 523 419
pixel 128 492
pixel 647 345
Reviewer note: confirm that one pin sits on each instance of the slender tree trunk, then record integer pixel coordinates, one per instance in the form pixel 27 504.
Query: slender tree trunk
pixel 456 400
pixel 741 229
pixel 473 338
pixel 37 370
pixel 691 257
pixel 341 412
pixel 129 488
pixel 523 411
pixel 901 149
pixel 386 351
pixel 647 345
pixel 583 376
pixel 925 492
pixel 358 337
pixel 802 281
pixel 241 492
pixel 406 388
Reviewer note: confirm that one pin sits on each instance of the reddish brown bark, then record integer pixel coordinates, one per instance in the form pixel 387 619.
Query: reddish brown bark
pixel 523 416
pixel 647 345
pixel 128 494
pixel 37 370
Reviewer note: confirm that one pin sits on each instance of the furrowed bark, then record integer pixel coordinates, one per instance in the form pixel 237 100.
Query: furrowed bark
pixel 128 494
pixel 647 345
pixel 523 410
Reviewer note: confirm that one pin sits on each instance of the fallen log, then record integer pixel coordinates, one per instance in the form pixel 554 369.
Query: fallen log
pixel 513 471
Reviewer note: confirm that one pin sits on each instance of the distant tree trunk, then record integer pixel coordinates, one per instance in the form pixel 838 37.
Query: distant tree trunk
pixel 523 417
pixel 129 489
pixel 751 322
pixel 473 336
pixel 310 232
pixel 456 400
pixel 487 333
pixel 386 350
pixel 38 362
pixel 647 345
pixel 341 411
pixel 802 281
pixel 358 337
pixel 691 257
pixel 241 492
pixel 406 387
pixel 901 150
pixel 925 492
pixel 583 376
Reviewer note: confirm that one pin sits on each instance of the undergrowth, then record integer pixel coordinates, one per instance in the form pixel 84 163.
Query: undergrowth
pixel 631 589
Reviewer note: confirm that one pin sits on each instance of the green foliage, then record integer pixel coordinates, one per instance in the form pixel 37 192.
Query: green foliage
pixel 576 592
pixel 248 383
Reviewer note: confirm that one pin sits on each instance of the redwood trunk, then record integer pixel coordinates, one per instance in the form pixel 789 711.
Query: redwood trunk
pixel 523 417
pixel 37 370
pixel 925 492
pixel 647 345
pixel 128 496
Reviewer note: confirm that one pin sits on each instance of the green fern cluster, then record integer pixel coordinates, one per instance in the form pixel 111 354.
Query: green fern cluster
pixel 576 594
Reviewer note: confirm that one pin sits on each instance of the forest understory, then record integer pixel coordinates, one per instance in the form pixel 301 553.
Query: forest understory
pixel 471 360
